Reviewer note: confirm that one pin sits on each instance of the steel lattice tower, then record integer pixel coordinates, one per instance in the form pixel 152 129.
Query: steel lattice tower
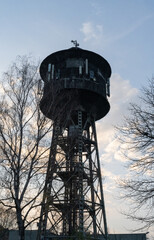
pixel 76 86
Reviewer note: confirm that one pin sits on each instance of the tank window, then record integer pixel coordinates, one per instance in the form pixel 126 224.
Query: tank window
pixel 86 66
pixel 52 71
pixel 49 67
pixel 73 62
pixel 91 73
pixel 48 73
pixel 58 74
pixel 48 77
pixel 80 70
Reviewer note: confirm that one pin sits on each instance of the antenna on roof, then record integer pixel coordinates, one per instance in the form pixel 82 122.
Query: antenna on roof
pixel 76 44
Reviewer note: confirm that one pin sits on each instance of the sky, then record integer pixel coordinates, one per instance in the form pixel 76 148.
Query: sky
pixel 121 31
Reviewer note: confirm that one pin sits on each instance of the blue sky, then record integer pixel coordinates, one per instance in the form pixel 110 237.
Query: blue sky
pixel 122 31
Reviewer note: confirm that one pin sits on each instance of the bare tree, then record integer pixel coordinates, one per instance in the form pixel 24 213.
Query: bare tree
pixel 7 222
pixel 137 135
pixel 7 219
pixel 24 143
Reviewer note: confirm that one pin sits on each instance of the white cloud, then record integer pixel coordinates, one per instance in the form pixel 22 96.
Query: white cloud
pixel 91 31
pixel 122 93
pixel 121 90
pixel 110 175
pixel 113 151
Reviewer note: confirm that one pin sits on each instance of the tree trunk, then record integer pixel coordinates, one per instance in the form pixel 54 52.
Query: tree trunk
pixel 22 233
pixel 20 225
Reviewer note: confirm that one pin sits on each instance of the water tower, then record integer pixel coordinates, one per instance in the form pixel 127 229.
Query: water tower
pixel 76 87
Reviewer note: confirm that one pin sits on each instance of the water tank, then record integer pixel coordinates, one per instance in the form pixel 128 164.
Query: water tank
pixel 75 78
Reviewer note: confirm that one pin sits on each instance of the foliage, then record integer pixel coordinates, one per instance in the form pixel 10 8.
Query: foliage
pixel 7 219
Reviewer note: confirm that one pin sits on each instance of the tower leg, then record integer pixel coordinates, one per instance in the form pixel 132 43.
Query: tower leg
pixel 73 201
pixel 101 186
pixel 80 173
pixel 42 226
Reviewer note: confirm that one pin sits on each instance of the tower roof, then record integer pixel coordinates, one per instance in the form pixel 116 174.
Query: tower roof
pixel 75 52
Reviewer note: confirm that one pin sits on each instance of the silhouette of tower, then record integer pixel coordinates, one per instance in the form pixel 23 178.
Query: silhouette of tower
pixel 76 86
